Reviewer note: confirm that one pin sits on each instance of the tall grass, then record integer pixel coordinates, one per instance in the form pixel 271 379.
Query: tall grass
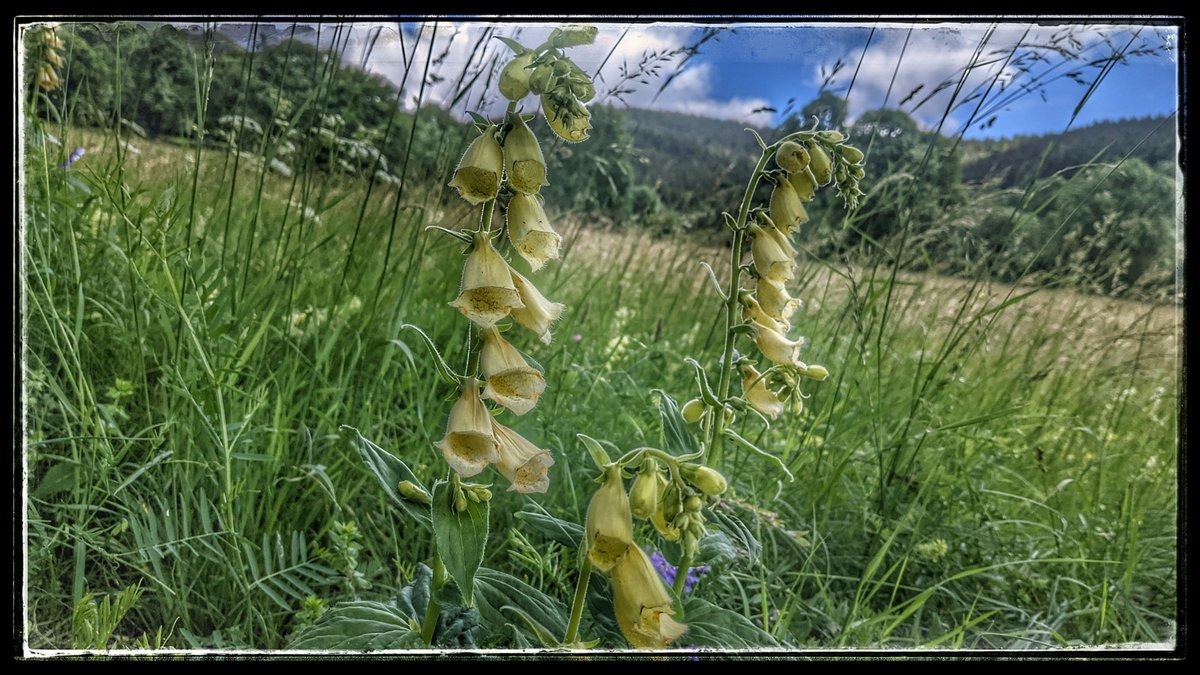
pixel 988 466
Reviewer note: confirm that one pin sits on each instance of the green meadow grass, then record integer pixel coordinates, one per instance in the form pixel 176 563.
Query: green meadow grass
pixel 987 466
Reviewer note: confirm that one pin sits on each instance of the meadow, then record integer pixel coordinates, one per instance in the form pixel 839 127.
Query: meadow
pixel 207 343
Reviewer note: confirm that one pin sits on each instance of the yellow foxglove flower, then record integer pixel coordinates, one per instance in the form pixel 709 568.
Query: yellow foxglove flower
pixel 770 260
pixel 641 603
pixel 791 157
pixel 477 177
pixel 488 293
pixel 523 158
pixel 530 232
pixel 786 208
pixel 643 496
pixel 609 523
pixel 54 58
pixel 819 163
pixel 752 311
pixel 782 239
pixel 469 445
pixel 511 381
pixel 514 79
pixel 535 312
pixel 756 393
pixel 50 39
pixel 526 466
pixel 570 122
pixel 709 480
pixel 777 347
pixel 773 298
pixel 47 79
pixel 804 184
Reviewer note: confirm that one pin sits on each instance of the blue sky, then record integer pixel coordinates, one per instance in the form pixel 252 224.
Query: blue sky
pixel 750 66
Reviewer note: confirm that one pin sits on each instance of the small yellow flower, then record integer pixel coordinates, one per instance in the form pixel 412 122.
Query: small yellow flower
pixel 707 479
pixel 488 292
pixel 787 210
pixel 609 523
pixel 469 445
pixel 511 381
pixel 641 603
pixel 477 177
pixel 804 184
pixel 570 122
pixel 54 58
pixel 819 164
pixel 535 312
pixel 643 496
pixel 756 393
pixel 47 79
pixel 770 260
pixel 779 236
pixel 523 158
pixel 50 39
pixel 526 466
pixel 777 347
pixel 791 157
pixel 530 232
pixel 514 79
pixel 774 300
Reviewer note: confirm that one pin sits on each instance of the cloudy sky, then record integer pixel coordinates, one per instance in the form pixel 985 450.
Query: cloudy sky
pixel 1029 78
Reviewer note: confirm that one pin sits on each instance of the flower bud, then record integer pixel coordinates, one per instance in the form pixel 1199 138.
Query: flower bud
pixel 851 154
pixel 791 157
pixel 693 503
pixel 831 136
pixel 511 381
pixel 787 211
pixel 817 373
pixel 413 492
pixel 541 80
pixel 526 466
pixel 804 184
pixel 643 496
pixel 609 524
pixel 770 260
pixel 708 480
pixel 777 347
pixel 536 312
pixel 692 411
pixel 858 172
pixel 573 35
pixel 460 501
pixel 641 603
pixel 477 493
pixel 523 158
pixel 514 79
pixel 570 122
pixel 756 393
pixel 773 298
pixel 477 177
pixel 530 232
pixel 469 445
pixel 819 164
pixel 488 292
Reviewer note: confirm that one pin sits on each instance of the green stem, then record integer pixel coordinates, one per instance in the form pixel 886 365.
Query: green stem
pixel 680 579
pixel 581 586
pixel 429 623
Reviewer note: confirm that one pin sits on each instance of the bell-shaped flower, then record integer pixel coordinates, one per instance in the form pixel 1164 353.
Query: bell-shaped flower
pixel 477 177
pixel 804 184
pixel 770 260
pixel 567 117
pixel 641 603
pixel 820 164
pixel 786 208
pixel 523 158
pixel 488 293
pixel 753 312
pixel 526 466
pixel 530 232
pixel 469 445
pixel 511 381
pixel 780 238
pixel 773 298
pixel 756 393
pixel 514 79
pixel 609 523
pixel 777 347
pixel 791 157
pixel 536 312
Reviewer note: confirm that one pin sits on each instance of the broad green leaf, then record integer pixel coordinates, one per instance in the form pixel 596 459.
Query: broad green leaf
pixel 413 599
pixel 740 536
pixel 715 549
pixel 677 435
pixel 461 536
pixel 494 591
pixel 389 471
pixel 360 625
pixel 713 626
pixel 564 532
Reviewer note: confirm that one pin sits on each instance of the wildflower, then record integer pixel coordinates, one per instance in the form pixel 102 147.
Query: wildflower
pixel 820 164
pixel 816 372
pixel 668 571
pixel 692 411
pixel 643 496
pixel 523 158
pixel 791 157
pixel 488 292
pixel 526 466
pixel 709 480
pixel 779 236
pixel 75 156
pixel 54 58
pixel 534 311
pixel 804 184
pixel 777 347
pixel 47 79
pixel 770 260
pixel 641 603
pixel 609 524
pixel 514 79
pixel 753 312
pixel 567 118
pixel 469 445
pixel 477 177
pixel 773 298
pixel 530 231
pixel 756 393
pixel 511 381
pixel 787 210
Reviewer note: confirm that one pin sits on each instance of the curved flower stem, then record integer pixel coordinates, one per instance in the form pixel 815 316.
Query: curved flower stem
pixel 433 609
pixel 581 586
pixel 681 580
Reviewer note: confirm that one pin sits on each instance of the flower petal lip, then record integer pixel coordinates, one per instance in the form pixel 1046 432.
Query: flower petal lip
pixel 469 445
pixel 777 347
pixel 530 232
pixel 641 603
pixel 770 260
pixel 773 297
pixel 756 393
pixel 526 466
pixel 487 293
pixel 510 380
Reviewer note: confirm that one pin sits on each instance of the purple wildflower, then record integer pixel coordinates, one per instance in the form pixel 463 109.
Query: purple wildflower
pixel 667 571
pixel 75 156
